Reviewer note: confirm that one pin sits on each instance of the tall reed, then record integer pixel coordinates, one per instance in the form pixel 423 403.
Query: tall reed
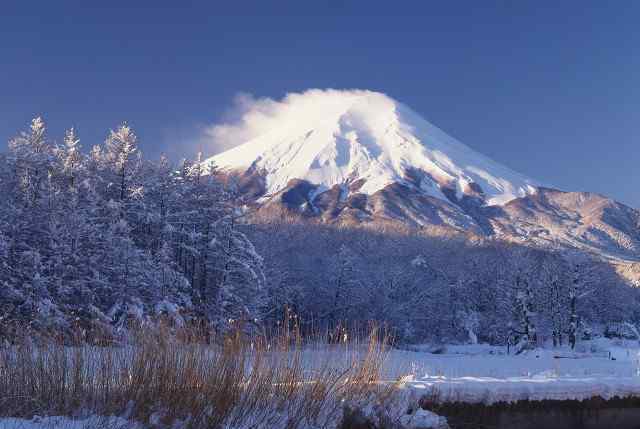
pixel 166 375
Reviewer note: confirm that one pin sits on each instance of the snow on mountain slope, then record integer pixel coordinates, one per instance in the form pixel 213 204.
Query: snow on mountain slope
pixel 332 137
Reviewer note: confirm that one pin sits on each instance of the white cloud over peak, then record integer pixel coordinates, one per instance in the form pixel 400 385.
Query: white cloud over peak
pixel 250 117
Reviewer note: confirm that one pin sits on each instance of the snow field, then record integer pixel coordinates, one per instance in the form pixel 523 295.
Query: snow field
pixel 473 374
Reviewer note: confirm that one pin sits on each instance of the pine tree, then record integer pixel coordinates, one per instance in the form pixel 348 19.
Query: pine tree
pixel 123 158
pixel 31 155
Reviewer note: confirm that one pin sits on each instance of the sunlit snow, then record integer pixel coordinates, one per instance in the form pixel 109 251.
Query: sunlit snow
pixel 332 137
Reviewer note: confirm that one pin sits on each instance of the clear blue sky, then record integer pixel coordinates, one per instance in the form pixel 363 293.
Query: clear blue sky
pixel 549 88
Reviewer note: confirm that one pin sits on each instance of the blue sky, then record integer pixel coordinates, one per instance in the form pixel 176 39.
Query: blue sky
pixel 551 89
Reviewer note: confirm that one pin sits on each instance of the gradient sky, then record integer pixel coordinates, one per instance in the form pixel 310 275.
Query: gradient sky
pixel 548 88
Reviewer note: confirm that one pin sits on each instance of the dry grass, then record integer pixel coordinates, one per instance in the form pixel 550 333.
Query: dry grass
pixel 162 376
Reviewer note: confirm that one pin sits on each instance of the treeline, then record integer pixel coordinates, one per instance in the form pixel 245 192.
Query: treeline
pixel 441 288
pixel 98 238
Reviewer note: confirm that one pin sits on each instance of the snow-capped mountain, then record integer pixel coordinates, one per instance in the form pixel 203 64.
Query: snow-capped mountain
pixel 334 137
pixel 362 157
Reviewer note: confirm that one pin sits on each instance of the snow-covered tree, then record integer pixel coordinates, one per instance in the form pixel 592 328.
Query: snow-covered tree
pixel 123 158
pixel 524 308
pixel 31 155
pixel 70 159
pixel 237 272
pixel 343 286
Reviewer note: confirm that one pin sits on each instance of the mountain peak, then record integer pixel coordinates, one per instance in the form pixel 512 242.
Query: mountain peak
pixel 338 137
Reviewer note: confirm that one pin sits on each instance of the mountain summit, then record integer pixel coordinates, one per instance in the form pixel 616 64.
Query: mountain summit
pixel 333 137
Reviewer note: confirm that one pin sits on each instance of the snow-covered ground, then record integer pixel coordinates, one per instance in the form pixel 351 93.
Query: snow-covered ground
pixel 60 422
pixel 487 374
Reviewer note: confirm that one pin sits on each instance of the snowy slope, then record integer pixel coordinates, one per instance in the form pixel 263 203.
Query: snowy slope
pixel 336 137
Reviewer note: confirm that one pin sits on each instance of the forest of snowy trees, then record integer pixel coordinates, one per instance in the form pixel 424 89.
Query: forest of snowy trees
pixel 97 237
pixel 442 289
pixel 102 237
